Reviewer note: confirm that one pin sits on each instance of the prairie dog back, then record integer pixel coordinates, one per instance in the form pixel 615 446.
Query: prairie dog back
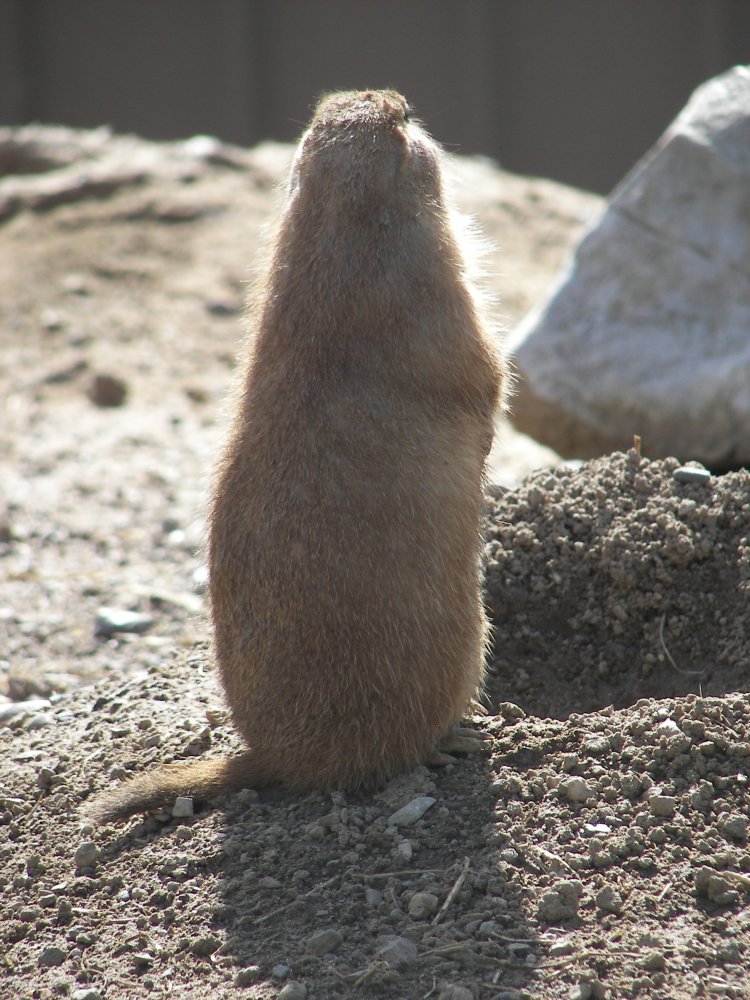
pixel 344 542
pixel 345 529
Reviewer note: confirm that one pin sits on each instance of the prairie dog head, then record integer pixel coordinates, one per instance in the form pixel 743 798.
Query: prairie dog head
pixel 363 157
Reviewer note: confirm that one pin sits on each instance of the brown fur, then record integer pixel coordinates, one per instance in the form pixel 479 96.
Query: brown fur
pixel 345 525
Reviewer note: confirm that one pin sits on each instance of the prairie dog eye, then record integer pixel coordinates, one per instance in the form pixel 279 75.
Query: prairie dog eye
pixel 407 113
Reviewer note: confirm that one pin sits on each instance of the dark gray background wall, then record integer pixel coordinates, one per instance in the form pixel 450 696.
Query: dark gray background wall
pixel 571 89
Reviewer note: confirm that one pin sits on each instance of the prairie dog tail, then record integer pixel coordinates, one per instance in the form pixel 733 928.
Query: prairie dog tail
pixel 201 779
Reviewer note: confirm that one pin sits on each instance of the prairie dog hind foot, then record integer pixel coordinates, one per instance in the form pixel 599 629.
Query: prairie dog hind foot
pixel 459 739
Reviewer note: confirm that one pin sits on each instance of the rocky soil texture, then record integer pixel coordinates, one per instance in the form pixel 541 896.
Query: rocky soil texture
pixel 596 847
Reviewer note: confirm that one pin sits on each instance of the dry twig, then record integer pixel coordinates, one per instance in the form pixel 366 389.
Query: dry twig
pixel 452 894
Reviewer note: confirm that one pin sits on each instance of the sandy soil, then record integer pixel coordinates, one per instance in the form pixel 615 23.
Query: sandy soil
pixel 597 847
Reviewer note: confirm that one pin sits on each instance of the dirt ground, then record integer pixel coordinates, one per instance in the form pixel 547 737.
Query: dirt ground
pixel 598 845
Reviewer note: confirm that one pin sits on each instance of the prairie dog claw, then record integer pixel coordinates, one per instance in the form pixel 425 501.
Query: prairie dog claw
pixel 462 740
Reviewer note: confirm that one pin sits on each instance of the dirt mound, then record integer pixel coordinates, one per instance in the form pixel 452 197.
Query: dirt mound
pixel 615 581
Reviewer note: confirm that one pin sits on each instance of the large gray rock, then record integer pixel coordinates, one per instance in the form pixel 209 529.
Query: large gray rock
pixel 648 330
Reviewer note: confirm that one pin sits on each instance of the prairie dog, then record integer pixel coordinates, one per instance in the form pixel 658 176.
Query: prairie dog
pixel 344 538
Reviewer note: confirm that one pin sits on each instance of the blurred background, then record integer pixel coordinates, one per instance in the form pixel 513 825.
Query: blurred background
pixel 575 90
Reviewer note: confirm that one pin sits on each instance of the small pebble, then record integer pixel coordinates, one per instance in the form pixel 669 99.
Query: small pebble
pixel 34 866
pixel 668 728
pixel 280 971
pixel 561 948
pixel 518 949
pixel 373 897
pixel 598 829
pixel 405 850
pixel 560 903
pixel 41 720
pixel 398 952
pixel 422 905
pixel 248 976
pixel 662 805
pixel 412 812
pixel 86 994
pixel 111 620
pixel 293 991
pixel 269 882
pixel 510 711
pixel 609 900
pixel 200 579
pixel 223 307
pixel 322 942
pixel 12 709
pixel 51 956
pixel 691 474
pixel 76 284
pixel 205 945
pixel 487 928
pixel 654 961
pixel 202 147
pixel 66 374
pixel 575 789
pixel 735 826
pixel 51 320
pixel 582 991
pixel 107 391
pixel 183 807
pixel 455 993
pixel 716 887
pixel 197 394
pixel 86 855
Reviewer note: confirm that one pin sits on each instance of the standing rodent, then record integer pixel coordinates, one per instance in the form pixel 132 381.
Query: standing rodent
pixel 345 523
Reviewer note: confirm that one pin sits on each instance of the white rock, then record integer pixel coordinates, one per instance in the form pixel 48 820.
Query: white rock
pixel 12 709
pixel 111 620
pixel 397 951
pixel 183 807
pixel 409 814
pixel 668 727
pixel 647 331
pixel 692 474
